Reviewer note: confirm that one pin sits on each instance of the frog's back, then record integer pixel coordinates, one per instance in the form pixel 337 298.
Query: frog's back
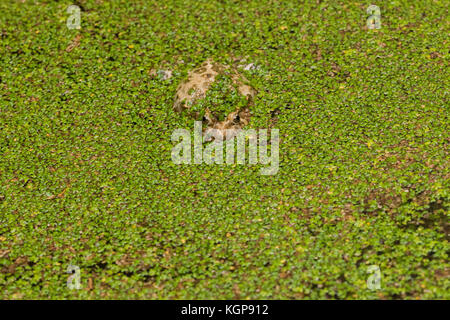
pixel 199 80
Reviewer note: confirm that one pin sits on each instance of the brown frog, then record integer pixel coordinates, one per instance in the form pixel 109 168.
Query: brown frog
pixel 196 86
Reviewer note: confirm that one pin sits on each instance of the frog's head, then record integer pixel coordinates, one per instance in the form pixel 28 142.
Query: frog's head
pixel 229 127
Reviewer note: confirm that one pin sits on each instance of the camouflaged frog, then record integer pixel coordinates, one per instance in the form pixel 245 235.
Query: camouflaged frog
pixel 218 95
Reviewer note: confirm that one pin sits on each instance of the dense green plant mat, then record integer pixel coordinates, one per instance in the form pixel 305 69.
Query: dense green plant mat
pixel 86 176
